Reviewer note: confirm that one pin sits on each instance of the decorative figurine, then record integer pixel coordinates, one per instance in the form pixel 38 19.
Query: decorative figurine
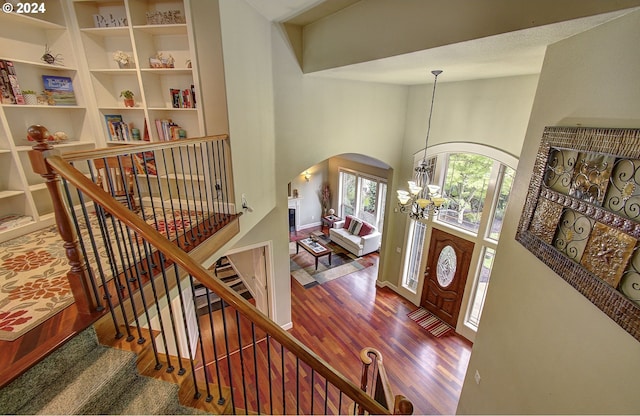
pixel 49 58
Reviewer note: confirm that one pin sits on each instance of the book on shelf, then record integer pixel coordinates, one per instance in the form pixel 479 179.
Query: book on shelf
pixel 168 130
pixel 59 90
pixel 145 135
pixel 10 221
pixel 119 131
pixel 145 162
pixel 5 87
pixel 183 98
pixel 11 93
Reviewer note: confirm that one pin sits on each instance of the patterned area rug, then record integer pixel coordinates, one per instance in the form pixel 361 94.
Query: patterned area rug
pixel 430 322
pixel 33 269
pixel 303 267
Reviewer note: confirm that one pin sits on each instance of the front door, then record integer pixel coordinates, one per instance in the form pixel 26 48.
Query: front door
pixel 445 275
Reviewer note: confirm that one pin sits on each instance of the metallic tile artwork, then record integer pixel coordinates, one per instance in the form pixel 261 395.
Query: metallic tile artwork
pixel 630 282
pixel 573 234
pixel 560 169
pixel 591 176
pixel 582 215
pixel 545 220
pixel 607 253
pixel 623 195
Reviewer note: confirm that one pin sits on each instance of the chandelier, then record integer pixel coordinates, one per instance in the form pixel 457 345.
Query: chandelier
pixel 423 199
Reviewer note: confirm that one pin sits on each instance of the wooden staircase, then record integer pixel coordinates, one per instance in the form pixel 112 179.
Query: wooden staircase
pixel 152 286
pixel 225 272
pixel 85 377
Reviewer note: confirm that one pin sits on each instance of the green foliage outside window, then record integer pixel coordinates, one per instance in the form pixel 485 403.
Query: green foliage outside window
pixel 466 183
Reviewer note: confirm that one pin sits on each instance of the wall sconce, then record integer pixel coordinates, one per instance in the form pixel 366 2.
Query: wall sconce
pixel 306 175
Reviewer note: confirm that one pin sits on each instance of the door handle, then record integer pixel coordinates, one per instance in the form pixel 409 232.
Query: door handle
pixel 426 271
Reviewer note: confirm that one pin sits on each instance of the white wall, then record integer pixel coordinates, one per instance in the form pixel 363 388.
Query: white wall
pixel 247 59
pixel 317 118
pixel 542 347
pixel 493 112
pixel 314 120
pixel 309 193
pixel 374 29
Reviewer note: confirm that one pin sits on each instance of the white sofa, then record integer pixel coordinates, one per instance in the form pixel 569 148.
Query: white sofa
pixel 363 241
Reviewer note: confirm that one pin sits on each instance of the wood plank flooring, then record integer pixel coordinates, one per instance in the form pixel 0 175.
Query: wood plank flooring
pixel 339 318
pixel 336 320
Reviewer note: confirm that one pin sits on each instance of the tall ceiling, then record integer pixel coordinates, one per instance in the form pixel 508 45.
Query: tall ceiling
pixel 512 53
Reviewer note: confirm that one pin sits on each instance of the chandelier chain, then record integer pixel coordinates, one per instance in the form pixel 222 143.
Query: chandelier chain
pixel 433 98
pixel 423 199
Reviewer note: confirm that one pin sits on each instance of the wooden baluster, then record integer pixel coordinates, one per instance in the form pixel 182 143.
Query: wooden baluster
pixel 402 406
pixel 77 275
pixel 364 378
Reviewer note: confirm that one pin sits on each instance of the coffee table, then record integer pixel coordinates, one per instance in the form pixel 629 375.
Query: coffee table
pixel 315 248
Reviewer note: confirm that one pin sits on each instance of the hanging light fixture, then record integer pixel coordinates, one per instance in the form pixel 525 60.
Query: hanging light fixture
pixel 422 199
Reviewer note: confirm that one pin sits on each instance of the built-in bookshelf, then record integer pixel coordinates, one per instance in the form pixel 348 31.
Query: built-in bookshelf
pixel 35 46
pixel 157 38
pixel 82 37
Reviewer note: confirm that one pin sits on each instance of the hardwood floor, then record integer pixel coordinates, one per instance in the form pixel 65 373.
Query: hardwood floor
pixel 336 320
pixel 339 318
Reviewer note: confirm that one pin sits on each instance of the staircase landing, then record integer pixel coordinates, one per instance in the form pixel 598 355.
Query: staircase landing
pixel 19 355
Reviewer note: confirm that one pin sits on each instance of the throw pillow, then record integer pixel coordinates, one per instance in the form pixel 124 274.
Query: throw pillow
pixel 347 221
pixel 365 229
pixel 354 227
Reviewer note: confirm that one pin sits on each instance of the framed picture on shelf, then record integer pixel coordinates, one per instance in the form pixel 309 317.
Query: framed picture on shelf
pixel 59 90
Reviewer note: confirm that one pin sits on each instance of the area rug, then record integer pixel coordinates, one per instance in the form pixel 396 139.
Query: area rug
pixel 303 267
pixel 430 322
pixel 33 269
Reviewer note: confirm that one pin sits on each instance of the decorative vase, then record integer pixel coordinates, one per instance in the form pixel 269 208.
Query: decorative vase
pixel 124 66
pixel 30 99
pixel 129 102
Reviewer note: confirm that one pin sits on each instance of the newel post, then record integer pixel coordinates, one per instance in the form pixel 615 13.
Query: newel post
pixel 77 275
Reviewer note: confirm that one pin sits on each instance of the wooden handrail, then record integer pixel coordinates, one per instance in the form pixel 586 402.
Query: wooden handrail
pixel 78 277
pixel 401 405
pixel 137 148
pixel 60 165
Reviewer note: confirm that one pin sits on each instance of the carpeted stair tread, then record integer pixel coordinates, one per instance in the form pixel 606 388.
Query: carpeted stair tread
pixel 147 396
pixel 90 386
pixel 184 410
pixel 23 389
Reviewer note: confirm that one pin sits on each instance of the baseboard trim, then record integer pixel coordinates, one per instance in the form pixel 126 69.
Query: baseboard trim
pixel 311 225
pixel 287 326
pixel 401 292
pixel 384 283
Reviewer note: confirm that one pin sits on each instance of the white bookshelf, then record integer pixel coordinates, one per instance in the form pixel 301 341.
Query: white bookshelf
pixel 23 39
pixel 140 40
pixel 68 29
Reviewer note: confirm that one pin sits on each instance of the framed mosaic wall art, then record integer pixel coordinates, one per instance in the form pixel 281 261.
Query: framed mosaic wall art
pixel 582 216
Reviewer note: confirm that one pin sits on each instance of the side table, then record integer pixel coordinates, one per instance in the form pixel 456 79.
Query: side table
pixel 329 221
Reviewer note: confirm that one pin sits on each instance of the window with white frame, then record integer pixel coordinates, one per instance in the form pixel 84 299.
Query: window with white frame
pixel 347 202
pixel 362 196
pixel 477 188
pixel 412 271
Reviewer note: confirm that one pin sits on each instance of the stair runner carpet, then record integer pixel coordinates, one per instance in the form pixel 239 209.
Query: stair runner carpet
pixel 225 272
pixel 430 322
pixel 83 377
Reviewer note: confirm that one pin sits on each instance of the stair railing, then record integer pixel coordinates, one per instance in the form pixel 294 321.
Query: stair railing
pixel 235 355
pixel 375 382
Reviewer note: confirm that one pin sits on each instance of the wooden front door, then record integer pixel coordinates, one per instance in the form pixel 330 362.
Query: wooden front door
pixel 445 275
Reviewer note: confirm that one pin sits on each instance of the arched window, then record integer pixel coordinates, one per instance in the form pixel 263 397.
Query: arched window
pixel 476 181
